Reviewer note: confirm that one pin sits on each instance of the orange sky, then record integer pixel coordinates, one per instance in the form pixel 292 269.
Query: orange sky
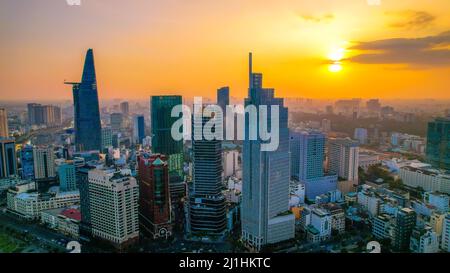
pixel 396 50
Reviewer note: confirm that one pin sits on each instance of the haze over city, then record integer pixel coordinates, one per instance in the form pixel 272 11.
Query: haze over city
pixel 314 49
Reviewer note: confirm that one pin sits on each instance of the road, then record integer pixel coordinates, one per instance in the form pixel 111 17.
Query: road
pixel 40 235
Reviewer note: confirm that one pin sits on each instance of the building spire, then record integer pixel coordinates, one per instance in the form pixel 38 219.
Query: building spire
pixel 89 68
pixel 250 70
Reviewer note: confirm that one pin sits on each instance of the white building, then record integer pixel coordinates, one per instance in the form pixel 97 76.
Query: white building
pixel 44 162
pixel 65 220
pixel 321 221
pixel 369 202
pixel 423 176
pixel 343 158
pixel 230 163
pixel 29 205
pixel 113 200
pixel 368 159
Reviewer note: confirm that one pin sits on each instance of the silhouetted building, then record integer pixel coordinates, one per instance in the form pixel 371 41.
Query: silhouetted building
pixel 138 129
pixel 8 161
pixel 86 109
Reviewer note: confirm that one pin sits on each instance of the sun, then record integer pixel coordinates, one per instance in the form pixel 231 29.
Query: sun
pixel 335 57
pixel 337 54
pixel 335 67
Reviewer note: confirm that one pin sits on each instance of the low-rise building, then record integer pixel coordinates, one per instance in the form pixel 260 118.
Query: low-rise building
pixel 424 240
pixel 64 220
pixel 29 204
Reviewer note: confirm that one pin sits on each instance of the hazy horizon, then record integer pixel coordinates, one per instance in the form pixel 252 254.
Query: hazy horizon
pixel 318 50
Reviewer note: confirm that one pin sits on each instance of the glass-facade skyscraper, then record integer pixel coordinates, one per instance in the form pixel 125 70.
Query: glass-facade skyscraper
pixel 27 162
pixel 207 203
pixel 163 143
pixel 86 109
pixel 138 129
pixel 8 162
pixel 266 174
pixel 307 158
pixel 438 143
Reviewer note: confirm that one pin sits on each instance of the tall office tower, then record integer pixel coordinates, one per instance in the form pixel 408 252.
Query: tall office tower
pixel 4 131
pixel 86 109
pixel 116 121
pixel 405 221
pixel 107 136
pixel 438 143
pixel 154 196
pixel 125 108
pixel 113 200
pixel 82 175
pixel 8 161
pixel 67 176
pixel 27 162
pixel 51 115
pixel 44 162
pixel 307 159
pixel 138 129
pixel 35 114
pixel 308 155
pixel 44 114
pixel 343 158
pixel 163 143
pixel 223 99
pixel 265 201
pixel 207 210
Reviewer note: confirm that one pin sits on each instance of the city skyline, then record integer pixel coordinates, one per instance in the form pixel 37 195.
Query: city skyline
pixel 141 50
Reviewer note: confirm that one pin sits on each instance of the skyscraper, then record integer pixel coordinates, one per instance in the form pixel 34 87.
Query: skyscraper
pixel 207 203
pixel 343 158
pixel 107 136
pixel 116 121
pixel 265 201
pixel 27 162
pixel 49 115
pixel 138 129
pixel 154 195
pixel 163 143
pixel 44 162
pixel 223 97
pixel 86 109
pixel 113 201
pixel 67 176
pixel 4 131
pixel 125 108
pixel 8 161
pixel 307 159
pixel 308 154
pixel 438 143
